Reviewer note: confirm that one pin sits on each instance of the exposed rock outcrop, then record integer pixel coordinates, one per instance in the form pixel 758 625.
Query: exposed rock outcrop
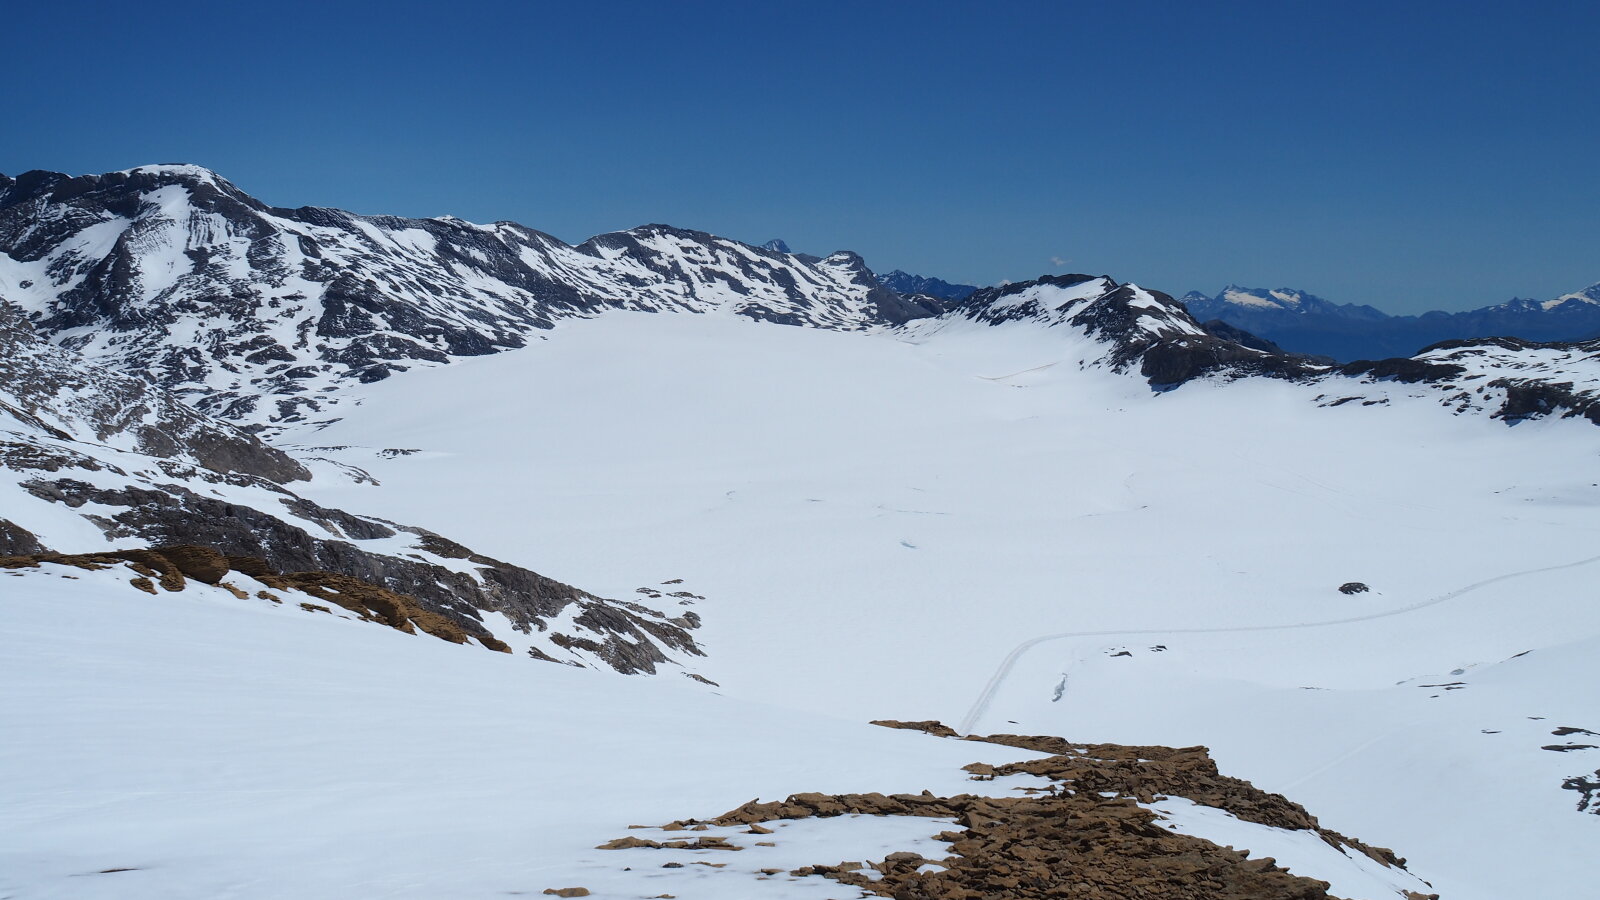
pixel 170 567
pixel 61 395
pixel 1086 836
pixel 1588 791
pixel 929 726
pixel 626 636
pixel 16 540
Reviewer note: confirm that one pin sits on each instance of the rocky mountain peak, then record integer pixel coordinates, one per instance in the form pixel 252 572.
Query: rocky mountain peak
pixel 906 283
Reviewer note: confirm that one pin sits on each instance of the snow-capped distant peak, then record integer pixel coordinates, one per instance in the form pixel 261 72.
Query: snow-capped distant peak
pixel 176 170
pixel 1281 298
pixel 459 222
pixel 1589 295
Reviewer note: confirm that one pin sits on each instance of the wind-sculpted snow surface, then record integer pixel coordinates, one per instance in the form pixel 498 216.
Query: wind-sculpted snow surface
pixel 257 314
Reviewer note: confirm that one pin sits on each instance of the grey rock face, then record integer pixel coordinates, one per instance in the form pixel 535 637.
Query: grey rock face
pixel 59 394
pixel 17 541
pixel 906 283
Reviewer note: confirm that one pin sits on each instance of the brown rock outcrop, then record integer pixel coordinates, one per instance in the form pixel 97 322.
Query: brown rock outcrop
pixel 203 564
pixel 1085 837
pixel 937 729
pixel 170 565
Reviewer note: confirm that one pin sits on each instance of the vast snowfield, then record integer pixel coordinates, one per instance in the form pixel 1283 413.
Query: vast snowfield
pixel 196 745
pixel 215 747
pixel 878 525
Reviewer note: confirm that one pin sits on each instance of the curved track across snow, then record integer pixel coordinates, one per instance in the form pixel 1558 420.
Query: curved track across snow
pixel 981 705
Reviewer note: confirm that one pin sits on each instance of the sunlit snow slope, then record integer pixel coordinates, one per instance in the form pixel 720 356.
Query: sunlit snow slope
pixel 192 746
pixel 875 524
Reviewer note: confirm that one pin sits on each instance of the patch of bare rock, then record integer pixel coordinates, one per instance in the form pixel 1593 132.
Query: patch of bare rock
pixel 1086 836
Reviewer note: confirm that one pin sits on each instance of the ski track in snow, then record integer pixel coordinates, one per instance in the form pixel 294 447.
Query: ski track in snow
pixel 981 705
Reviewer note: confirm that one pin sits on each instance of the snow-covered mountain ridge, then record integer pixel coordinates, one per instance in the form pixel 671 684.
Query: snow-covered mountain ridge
pixel 1123 327
pixel 1131 328
pixel 263 316
pixel 54 393
pixel 258 314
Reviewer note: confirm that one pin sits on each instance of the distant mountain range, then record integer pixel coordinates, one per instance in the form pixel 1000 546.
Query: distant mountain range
pixel 906 283
pixel 1295 321
pixel 260 316
pixel 899 281
pixel 1305 323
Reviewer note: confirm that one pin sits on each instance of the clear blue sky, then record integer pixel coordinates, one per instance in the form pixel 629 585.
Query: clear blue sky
pixel 1409 155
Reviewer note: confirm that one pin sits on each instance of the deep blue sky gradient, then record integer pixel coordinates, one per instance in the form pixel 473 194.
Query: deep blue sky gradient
pixel 1408 155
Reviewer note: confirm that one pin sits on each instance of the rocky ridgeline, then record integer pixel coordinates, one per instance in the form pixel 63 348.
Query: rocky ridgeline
pixel 258 519
pixel 172 567
pixel 1085 836
pixel 625 636
pixel 290 543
